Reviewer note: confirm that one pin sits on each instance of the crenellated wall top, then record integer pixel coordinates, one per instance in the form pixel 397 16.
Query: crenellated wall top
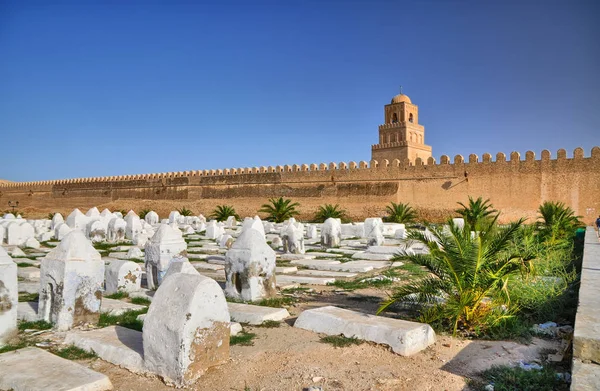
pixel 500 158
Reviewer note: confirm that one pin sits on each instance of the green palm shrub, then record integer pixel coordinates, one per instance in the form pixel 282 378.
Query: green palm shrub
pixel 279 209
pixel 468 275
pixel 50 215
pixel 329 210
pixel 185 211
pixel 478 212
pixel 143 213
pixel 222 212
pixel 400 213
pixel 557 222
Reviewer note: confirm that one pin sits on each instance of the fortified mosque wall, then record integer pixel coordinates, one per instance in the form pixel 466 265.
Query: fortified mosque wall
pixel 516 187
pixel 402 169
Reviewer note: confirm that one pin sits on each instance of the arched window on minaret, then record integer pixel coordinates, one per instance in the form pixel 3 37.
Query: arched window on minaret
pixel 394 118
pixel 410 118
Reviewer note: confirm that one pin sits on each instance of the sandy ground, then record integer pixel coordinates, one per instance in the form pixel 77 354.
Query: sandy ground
pixel 286 358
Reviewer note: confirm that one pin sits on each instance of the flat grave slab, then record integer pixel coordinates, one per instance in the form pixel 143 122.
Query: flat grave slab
pixel 372 256
pixel 326 273
pixel 286 279
pixel 404 337
pixel 322 264
pixel 214 274
pixel 29 273
pixel 292 257
pixel 586 377
pixel 197 256
pixel 121 248
pixel 118 345
pixel 36 369
pixel 216 259
pixel 118 307
pixel 28 287
pixel 118 255
pixel 255 314
pixel 27 311
pixel 285 269
pixel 207 266
pixel 383 249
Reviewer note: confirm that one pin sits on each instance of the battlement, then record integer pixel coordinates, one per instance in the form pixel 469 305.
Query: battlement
pixel 406 166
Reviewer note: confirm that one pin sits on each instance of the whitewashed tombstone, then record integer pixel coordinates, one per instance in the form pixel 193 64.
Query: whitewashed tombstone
pixel 44 236
pixel 311 232
pixel 96 231
pixel 226 241
pixel 8 216
pixel 180 264
pixel 186 330
pixel 268 226
pixel 61 230
pixel 57 218
pixel 141 239
pixel 331 233
pixel 9 297
pixel 375 236
pixel 17 232
pixel 134 225
pixel 214 230
pixel 276 243
pixel 2 234
pixel 174 217
pixel 93 212
pixel 198 225
pixel 71 281
pixel 123 276
pixel 77 220
pixel 151 217
pixel 231 222
pixel 135 253
pixel 118 214
pixel 32 243
pixel 250 268
pixel 400 232
pixel 116 230
pixel 293 238
pixel 202 219
pixel 370 224
pixel 459 222
pixel 166 243
pixel 106 214
pixel 254 223
pixel 188 230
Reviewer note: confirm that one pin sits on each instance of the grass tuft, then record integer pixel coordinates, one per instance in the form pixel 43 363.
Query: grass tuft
pixel 140 301
pixel 118 295
pixel 243 338
pixel 277 302
pixel 127 319
pixel 507 378
pixel 72 352
pixel 24 297
pixel 339 341
pixel 269 324
pixel 37 325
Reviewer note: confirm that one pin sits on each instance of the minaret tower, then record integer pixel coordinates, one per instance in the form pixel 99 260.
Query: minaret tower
pixel 401 136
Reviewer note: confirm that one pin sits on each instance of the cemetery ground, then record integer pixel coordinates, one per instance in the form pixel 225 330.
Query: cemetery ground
pixel 357 272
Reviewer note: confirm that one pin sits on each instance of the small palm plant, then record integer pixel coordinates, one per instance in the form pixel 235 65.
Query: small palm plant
pixel 279 209
pixel 477 213
pixel 50 215
pixel 558 221
pixel 329 210
pixel 400 213
pixel 222 212
pixel 469 274
pixel 143 213
pixel 185 211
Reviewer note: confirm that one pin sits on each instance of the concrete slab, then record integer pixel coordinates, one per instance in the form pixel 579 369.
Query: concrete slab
pixel 285 269
pixel 326 273
pixel 29 273
pixel 372 256
pixel 292 257
pixel 346 251
pixel 585 377
pixel 586 337
pixel 118 307
pixel 35 369
pixel 255 314
pixel 323 264
pixel 117 345
pixel 27 311
pixel 216 259
pixel 404 337
pixel 383 249
pixel 286 279
pixel 198 256
pixel 28 287
pixel 323 254
pixel 207 266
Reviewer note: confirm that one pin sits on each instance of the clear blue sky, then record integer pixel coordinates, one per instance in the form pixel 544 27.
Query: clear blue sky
pixel 115 88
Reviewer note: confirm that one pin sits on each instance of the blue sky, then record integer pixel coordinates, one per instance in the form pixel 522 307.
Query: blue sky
pixel 115 88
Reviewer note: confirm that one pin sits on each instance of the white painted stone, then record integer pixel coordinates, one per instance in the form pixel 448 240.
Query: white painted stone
pixel 214 230
pixel 404 337
pixel 134 225
pixel 372 256
pixel 292 236
pixel 61 230
pixel 331 233
pixel 207 266
pixel 32 243
pixel 326 273
pixel 186 330
pixel 255 314
pixel 77 220
pixel 180 264
pixel 17 232
pixel 353 230
pixel 32 368
pixel 459 222
pixel 174 217
pixel 96 231
pixel 250 268
pixel 16 252
pixel 9 297
pixel 116 230
pixel 373 230
pixel 166 243
pixel 226 241
pixel 235 328
pixel 141 239
pixel 276 243
pixel 254 223
pixel 400 232
pixel 93 212
pixel 231 222
pixel 72 278
pixel 56 219
pixel 311 231
pixel 286 269
pixel 118 345
pixel 8 216
pixel 286 279
pixel 152 217
pixel 124 276
pixel 135 253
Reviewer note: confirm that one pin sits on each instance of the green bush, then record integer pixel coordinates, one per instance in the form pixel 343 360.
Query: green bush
pixel 400 213
pixel 329 211
pixel 279 209
pixel 222 212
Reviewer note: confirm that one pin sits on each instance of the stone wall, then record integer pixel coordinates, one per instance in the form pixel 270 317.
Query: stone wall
pixel 515 186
